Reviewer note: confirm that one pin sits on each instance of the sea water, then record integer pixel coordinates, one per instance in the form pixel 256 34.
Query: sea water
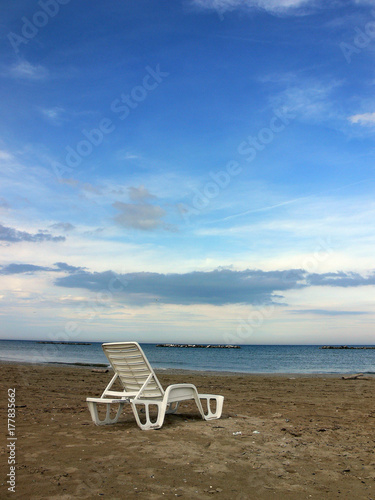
pixel 247 359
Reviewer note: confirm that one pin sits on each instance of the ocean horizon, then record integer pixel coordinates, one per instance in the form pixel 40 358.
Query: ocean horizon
pixel 304 359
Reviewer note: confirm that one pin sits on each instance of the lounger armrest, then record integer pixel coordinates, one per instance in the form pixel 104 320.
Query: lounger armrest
pixel 180 392
pixel 108 400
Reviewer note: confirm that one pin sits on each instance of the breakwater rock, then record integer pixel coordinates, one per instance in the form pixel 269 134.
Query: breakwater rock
pixel 345 347
pixel 66 343
pixel 201 346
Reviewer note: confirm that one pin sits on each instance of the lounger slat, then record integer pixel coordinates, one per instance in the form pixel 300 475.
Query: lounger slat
pixel 132 368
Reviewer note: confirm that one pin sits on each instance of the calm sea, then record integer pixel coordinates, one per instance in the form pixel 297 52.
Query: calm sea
pixel 248 359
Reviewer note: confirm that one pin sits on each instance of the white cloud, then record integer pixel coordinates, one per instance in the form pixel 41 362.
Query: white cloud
pixel 366 119
pixel 27 71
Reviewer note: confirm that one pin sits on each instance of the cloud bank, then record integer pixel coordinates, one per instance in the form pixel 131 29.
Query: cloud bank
pixel 218 287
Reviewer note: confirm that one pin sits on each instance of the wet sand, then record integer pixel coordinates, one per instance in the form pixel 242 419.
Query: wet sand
pixel 280 437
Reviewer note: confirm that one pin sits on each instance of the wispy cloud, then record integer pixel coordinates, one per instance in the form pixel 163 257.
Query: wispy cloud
pixel 327 312
pixel 54 115
pixel 26 71
pixel 308 99
pixel 272 6
pixel 62 226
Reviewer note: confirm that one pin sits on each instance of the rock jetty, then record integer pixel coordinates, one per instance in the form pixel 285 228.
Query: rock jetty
pixel 345 347
pixel 66 343
pixel 201 346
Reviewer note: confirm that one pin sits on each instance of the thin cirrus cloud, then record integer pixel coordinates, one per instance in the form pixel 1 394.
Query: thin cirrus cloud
pixel 54 115
pixel 24 70
pixel 308 99
pixel 272 6
pixel 12 235
pixel 327 312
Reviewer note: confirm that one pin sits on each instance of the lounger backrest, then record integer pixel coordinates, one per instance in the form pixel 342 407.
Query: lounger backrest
pixel 130 363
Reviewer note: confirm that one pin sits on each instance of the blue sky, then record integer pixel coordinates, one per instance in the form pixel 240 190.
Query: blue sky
pixel 188 171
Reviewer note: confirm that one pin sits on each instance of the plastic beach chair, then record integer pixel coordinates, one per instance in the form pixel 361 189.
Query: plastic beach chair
pixel 142 390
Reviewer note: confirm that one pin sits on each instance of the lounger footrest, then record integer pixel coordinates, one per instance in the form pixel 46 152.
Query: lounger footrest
pixel 219 400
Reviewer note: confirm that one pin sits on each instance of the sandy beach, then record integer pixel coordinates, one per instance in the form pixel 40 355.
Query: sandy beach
pixel 281 436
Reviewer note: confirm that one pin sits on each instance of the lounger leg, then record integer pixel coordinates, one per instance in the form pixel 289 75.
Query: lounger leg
pixel 107 420
pixel 172 407
pixel 219 406
pixel 158 423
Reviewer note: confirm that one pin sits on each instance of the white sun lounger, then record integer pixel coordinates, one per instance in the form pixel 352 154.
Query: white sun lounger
pixel 141 388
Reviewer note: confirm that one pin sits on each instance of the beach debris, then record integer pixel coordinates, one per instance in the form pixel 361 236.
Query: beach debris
pixel 238 433
pixel 212 490
pixel 256 432
pixel 353 377
pixel 100 370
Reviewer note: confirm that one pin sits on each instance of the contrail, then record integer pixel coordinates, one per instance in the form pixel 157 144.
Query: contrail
pixel 264 209
pixel 289 202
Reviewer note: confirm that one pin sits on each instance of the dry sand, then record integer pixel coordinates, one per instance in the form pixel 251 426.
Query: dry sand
pixel 280 437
